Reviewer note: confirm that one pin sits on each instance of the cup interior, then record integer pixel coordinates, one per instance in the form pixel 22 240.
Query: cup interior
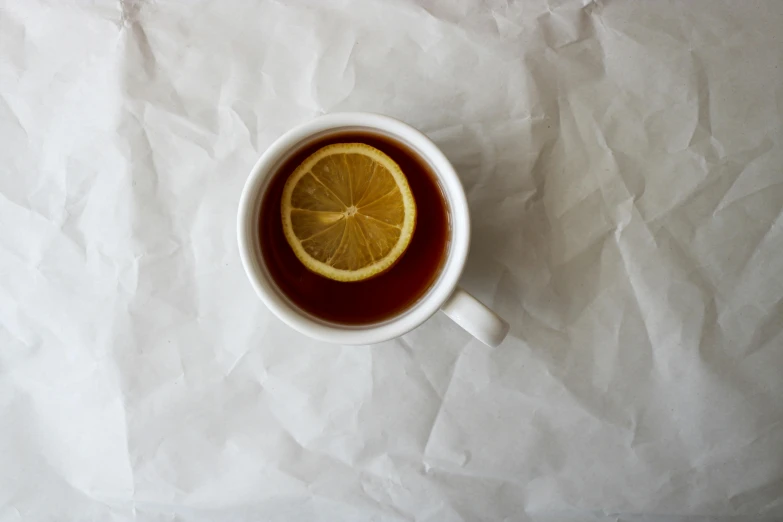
pixel 252 199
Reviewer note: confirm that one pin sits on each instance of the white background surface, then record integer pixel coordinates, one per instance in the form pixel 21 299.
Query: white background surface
pixel 624 169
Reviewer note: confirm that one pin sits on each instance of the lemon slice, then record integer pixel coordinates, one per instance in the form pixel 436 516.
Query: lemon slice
pixel 348 212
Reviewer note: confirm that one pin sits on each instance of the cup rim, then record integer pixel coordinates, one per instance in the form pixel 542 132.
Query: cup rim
pixel 330 332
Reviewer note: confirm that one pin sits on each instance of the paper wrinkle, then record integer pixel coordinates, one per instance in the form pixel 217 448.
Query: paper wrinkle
pixel 438 412
pixel 622 165
pixel 130 10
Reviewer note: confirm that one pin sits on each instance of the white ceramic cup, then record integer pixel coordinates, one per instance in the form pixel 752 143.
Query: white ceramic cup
pixel 444 294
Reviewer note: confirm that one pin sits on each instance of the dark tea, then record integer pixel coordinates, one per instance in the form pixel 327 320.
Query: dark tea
pixel 386 295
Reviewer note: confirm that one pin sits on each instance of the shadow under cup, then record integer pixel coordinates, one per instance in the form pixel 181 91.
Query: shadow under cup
pixel 380 299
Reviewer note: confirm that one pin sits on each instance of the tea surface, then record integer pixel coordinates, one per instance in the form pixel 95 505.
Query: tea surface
pixel 386 295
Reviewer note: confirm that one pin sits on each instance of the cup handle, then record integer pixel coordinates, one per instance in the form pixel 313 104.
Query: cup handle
pixel 478 320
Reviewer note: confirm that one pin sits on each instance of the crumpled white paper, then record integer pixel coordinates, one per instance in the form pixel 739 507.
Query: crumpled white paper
pixel 623 166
